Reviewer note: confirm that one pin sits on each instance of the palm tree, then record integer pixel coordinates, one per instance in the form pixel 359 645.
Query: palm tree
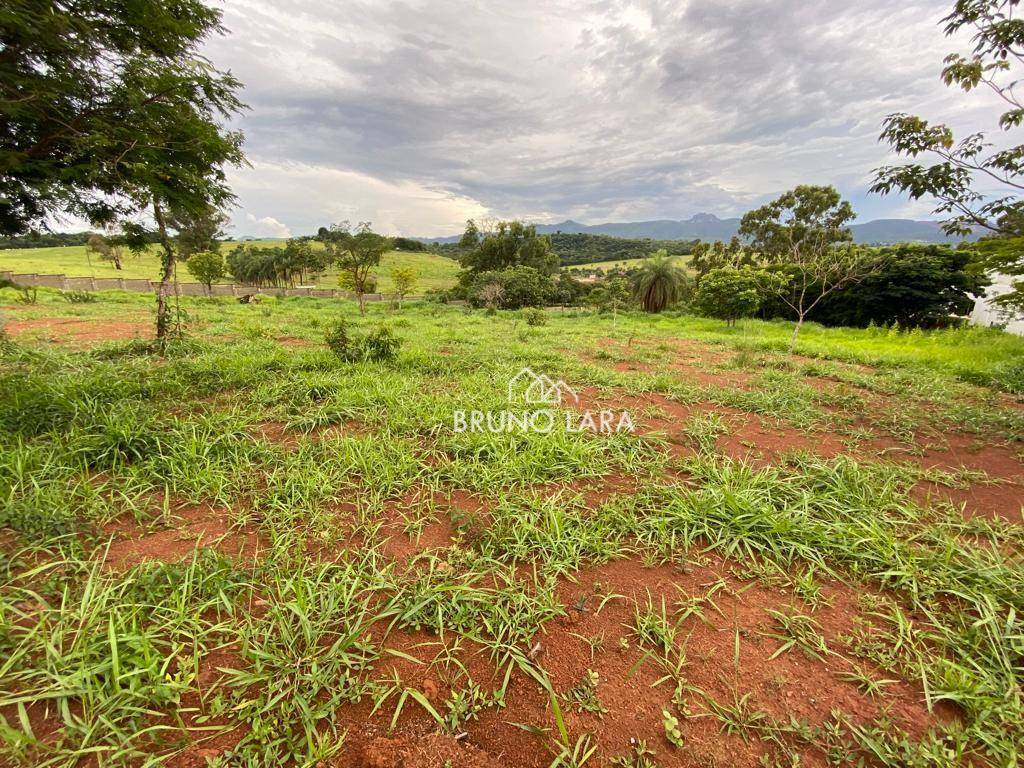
pixel 659 283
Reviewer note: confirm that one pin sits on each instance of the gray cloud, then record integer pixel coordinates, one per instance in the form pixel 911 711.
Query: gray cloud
pixel 416 114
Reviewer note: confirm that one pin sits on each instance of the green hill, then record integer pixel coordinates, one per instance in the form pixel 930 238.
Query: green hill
pixel 435 271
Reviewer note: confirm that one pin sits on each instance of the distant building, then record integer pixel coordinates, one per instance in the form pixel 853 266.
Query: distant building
pixel 989 315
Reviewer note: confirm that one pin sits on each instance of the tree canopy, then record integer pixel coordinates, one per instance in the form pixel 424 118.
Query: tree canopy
pixel 107 107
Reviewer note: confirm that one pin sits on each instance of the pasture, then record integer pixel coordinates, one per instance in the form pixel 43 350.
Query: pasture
pixel 434 271
pixel 248 552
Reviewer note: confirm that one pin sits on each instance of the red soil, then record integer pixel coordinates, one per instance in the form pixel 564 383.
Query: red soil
pixel 79 331
pixel 195 526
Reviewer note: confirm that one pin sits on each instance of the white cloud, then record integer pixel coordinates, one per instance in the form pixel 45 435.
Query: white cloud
pixel 267 226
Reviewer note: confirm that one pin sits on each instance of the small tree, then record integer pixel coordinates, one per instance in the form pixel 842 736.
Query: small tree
pixel 659 283
pixel 611 296
pixel 107 248
pixel 207 267
pixel 355 252
pixel 490 295
pixel 805 232
pixel 404 279
pixel 730 293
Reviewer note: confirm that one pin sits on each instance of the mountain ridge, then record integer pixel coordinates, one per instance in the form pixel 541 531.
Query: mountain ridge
pixel 707 226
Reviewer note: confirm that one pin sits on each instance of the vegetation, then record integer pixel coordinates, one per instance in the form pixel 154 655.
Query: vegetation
pixel 659 283
pixel 731 293
pixel 578 249
pixel 804 233
pixel 207 267
pixel 962 166
pixel 361 590
pixel 916 286
pixel 404 280
pixel 106 104
pixel 355 252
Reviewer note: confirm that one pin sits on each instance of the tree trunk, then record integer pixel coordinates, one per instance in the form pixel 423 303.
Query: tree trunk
pixel 163 307
pixel 362 303
pixel 796 332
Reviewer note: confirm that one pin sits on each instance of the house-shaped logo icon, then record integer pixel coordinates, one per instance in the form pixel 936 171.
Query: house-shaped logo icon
pixel 540 389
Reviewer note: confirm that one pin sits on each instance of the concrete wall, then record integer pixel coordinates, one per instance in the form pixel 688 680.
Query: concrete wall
pixel 138 285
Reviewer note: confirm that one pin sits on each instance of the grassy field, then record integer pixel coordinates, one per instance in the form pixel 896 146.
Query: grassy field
pixel 435 272
pixel 248 552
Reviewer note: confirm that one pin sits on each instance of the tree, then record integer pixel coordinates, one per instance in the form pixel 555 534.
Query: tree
pixel 404 279
pixel 805 232
pixel 730 293
pixel 471 237
pixel 611 296
pixel 659 283
pixel 962 166
pixel 917 286
pixel 107 248
pixel 355 252
pixel 708 256
pixel 519 287
pixel 513 244
pixel 109 109
pixel 199 230
pixel 207 267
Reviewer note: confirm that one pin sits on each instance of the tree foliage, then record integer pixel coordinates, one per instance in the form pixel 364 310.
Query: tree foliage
pixel 963 170
pixel 208 267
pixel 804 231
pixel 107 247
pixel 404 279
pixel 915 286
pixel 512 244
pixel 298 260
pixel 355 251
pixel 659 283
pixel 109 109
pixel 733 292
pixel 707 256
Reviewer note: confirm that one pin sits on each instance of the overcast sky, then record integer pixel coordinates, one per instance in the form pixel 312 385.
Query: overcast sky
pixel 416 115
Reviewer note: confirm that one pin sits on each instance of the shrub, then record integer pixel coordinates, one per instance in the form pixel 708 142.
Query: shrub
pixel 79 297
pixel 377 346
pixel 535 317
pixel 380 344
pixel 339 341
pixel 512 288
pixel 730 293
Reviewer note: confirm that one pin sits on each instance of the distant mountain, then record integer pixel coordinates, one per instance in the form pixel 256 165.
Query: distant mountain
pixel 707 226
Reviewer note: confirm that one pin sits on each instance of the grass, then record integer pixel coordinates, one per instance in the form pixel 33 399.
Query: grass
pixel 434 271
pixel 375 572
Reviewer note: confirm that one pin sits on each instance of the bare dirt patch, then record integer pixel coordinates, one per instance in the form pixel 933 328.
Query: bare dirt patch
pixel 195 526
pixel 78 331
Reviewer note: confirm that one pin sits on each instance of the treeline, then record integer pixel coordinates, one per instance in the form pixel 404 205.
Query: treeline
pixel 58 239
pixel 572 249
pixel 584 248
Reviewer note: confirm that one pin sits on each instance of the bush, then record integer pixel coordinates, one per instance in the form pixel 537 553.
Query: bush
pixel 730 293
pixel 512 288
pixel 79 297
pixel 535 317
pixel 379 345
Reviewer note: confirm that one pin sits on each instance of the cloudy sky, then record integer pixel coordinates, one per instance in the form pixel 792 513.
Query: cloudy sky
pixel 418 114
